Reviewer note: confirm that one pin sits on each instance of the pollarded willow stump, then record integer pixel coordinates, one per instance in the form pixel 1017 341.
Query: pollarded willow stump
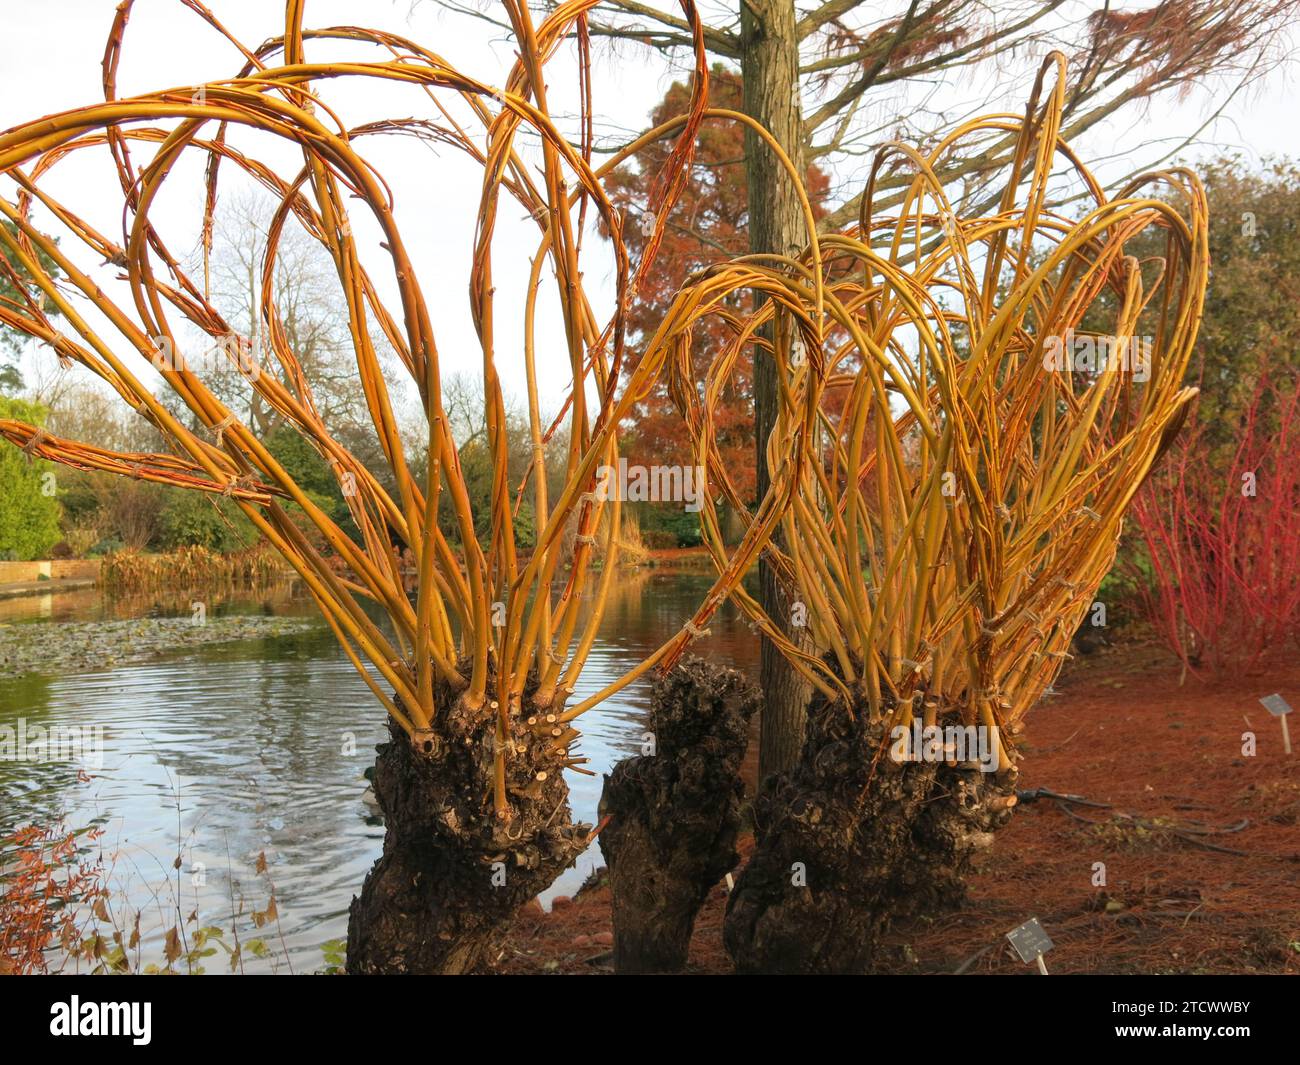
pixel 674 815
pixel 452 876
pixel 849 840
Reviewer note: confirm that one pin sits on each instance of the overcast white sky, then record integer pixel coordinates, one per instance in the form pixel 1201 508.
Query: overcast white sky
pixel 50 57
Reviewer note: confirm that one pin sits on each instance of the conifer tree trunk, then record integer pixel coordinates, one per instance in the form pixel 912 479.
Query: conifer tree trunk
pixel 770 72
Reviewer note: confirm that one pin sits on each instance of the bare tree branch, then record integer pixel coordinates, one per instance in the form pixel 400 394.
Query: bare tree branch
pixel 720 41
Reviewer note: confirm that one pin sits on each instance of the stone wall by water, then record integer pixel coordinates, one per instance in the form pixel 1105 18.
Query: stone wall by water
pixel 57 569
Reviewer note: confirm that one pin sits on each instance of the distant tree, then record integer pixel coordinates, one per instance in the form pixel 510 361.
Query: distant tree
pixel 80 410
pixel 467 416
pixel 16 291
pixel 1252 309
pixel 710 222
pixel 312 473
pixel 304 291
pixel 130 511
pixel 834 79
pixel 29 510
pixel 1251 318
pixel 189 519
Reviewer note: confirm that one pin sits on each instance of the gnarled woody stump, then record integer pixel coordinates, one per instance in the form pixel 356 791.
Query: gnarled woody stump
pixel 674 815
pixel 875 840
pixel 452 875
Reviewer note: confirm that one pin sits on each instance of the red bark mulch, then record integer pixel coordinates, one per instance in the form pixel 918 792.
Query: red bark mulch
pixel 1169 762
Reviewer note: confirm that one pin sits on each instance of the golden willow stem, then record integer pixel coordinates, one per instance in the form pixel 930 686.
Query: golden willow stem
pixel 951 543
pixel 447 639
pixel 955 519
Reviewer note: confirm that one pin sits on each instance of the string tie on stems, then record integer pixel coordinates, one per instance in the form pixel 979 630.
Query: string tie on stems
pixel 694 631
pixel 219 430
pixel 242 483
pixel 38 437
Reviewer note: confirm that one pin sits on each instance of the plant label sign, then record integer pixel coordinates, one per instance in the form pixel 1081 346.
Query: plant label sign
pixel 1279 708
pixel 1031 942
pixel 1276 705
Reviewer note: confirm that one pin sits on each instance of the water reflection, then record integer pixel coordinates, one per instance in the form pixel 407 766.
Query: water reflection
pixel 235 750
pixel 93 604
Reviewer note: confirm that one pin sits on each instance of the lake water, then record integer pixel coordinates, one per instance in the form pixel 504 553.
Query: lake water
pixel 231 751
